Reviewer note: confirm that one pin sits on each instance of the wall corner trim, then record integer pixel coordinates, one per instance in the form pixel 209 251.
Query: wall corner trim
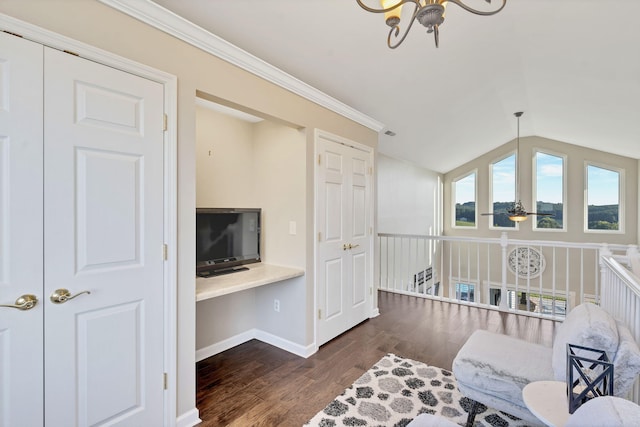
pixel 158 17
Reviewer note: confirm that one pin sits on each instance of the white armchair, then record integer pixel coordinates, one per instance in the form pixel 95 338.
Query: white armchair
pixel 493 369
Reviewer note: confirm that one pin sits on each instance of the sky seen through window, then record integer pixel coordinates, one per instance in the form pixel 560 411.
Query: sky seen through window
pixel 601 182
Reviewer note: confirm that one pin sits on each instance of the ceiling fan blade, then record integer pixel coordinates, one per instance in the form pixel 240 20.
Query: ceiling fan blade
pixel 540 214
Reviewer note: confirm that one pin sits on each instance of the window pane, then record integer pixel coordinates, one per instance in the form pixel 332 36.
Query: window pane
pixel 503 189
pixel 549 190
pixel 603 199
pixel 465 199
pixel 465 292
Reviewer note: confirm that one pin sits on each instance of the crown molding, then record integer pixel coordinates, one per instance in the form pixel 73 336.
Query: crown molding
pixel 157 16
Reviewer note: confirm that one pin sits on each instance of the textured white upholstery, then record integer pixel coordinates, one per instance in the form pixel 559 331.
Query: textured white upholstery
pixel 587 325
pixel 606 411
pixel 428 420
pixel 493 368
pixel 626 363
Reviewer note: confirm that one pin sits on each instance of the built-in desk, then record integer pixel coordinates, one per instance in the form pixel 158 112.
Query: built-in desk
pixel 259 274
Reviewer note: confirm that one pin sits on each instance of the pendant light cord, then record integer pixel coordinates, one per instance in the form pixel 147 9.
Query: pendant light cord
pixel 518 114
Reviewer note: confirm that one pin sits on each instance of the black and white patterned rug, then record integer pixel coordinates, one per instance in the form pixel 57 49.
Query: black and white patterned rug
pixel 396 390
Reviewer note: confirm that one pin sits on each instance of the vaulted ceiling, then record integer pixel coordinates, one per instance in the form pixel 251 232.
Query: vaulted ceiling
pixel 573 66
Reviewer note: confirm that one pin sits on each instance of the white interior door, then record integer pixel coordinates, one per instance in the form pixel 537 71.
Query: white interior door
pixel 81 187
pixel 21 248
pixel 344 250
pixel 103 235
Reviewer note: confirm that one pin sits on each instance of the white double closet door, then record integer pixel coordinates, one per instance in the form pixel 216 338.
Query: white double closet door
pixel 344 282
pixel 81 221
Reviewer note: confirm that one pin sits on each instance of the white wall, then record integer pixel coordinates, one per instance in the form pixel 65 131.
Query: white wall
pixel 224 161
pixel 409 198
pixel 279 170
pixel 261 165
pixel 280 188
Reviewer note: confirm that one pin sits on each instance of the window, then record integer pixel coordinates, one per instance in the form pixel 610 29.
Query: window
pixel 547 304
pixel 503 191
pixel 549 191
pixel 464 196
pixel 465 292
pixel 544 303
pixel 603 199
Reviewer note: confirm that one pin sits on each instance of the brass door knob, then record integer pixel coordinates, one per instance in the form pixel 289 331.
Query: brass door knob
pixel 349 246
pixel 62 295
pixel 24 302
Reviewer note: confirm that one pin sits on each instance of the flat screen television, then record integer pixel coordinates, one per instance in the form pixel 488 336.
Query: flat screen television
pixel 226 239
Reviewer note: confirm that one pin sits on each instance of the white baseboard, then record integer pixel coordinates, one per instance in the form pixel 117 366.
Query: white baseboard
pixel 374 313
pixel 265 337
pixel 189 419
pixel 287 345
pixel 224 345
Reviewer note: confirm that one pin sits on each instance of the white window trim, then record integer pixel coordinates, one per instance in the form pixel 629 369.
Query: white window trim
pixel 621 199
pixel 515 171
pixel 534 189
pixel 453 200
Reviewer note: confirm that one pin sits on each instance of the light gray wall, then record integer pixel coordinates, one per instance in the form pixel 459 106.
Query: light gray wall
pixel 255 165
pixel 409 198
pixel 576 158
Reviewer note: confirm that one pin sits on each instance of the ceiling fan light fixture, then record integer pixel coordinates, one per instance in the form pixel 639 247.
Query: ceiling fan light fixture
pixel 518 217
pixel 429 13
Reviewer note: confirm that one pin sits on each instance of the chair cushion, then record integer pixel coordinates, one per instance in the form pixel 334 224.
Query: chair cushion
pixel 501 365
pixel 606 411
pixel 429 420
pixel 587 325
pixel 626 364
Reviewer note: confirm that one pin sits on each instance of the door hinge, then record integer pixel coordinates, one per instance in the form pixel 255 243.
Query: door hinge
pixel 319 236
pixel 370 170
pixel 166 381
pixel 371 291
pixel 370 231
pixel 319 156
pixel 320 313
pixel 165 120
pixel 165 251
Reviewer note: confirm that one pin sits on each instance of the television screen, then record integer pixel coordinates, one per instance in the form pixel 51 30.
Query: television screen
pixel 226 239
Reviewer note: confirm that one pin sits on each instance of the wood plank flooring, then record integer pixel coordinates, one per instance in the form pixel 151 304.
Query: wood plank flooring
pixel 256 384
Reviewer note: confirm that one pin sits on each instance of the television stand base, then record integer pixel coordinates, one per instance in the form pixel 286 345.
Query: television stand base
pixel 221 272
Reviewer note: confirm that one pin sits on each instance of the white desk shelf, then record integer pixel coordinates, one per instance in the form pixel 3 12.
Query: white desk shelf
pixel 259 274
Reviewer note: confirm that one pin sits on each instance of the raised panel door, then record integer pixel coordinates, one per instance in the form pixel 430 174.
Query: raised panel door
pixel 21 247
pixel 103 234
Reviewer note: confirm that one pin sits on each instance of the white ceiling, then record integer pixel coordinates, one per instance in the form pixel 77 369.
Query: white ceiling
pixel 573 67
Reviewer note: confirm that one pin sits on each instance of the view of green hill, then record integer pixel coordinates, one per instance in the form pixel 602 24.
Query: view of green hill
pixel 600 217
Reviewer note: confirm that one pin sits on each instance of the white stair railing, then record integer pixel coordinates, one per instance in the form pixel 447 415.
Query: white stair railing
pixel 553 276
pixel 621 295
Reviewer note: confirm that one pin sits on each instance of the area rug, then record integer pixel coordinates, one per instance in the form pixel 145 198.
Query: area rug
pixel 396 390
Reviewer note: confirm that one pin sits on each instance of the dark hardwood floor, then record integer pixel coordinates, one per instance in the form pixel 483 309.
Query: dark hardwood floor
pixel 256 384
